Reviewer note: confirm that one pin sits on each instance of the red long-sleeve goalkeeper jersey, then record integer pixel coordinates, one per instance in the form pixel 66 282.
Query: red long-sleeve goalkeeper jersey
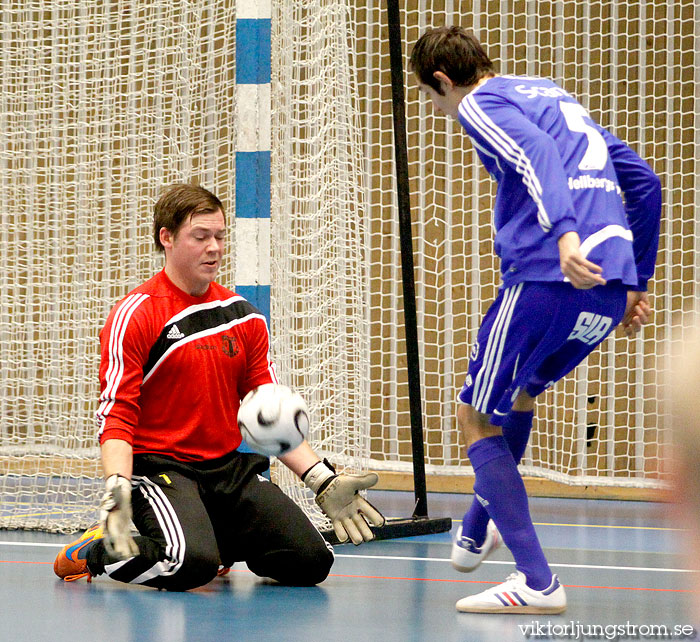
pixel 175 367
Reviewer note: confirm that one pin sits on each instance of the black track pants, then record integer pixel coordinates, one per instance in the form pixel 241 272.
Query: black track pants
pixel 194 516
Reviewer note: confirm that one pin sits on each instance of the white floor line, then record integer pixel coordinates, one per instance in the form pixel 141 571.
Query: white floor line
pixel 36 544
pixel 591 566
pixel 644 569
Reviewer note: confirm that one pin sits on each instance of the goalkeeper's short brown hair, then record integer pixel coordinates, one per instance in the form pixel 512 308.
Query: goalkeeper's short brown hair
pixel 455 52
pixel 177 204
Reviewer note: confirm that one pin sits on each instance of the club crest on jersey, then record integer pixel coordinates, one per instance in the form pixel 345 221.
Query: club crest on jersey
pixel 230 345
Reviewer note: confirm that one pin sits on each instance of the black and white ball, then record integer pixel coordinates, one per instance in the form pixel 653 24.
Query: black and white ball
pixel 273 419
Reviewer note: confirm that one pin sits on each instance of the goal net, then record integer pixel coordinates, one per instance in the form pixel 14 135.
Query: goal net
pixel 636 68
pixel 104 104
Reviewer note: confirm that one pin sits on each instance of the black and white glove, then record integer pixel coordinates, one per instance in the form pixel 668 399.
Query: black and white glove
pixel 339 498
pixel 115 518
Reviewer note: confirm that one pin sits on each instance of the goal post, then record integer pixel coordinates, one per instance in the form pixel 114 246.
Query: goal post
pixel 320 250
pixel 408 292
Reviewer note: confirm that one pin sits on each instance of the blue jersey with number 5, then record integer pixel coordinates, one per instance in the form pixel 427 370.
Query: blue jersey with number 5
pixel 558 171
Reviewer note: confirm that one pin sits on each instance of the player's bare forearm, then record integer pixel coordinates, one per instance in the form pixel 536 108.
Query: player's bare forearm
pixel 117 458
pixel 637 312
pixel 582 273
pixel 300 459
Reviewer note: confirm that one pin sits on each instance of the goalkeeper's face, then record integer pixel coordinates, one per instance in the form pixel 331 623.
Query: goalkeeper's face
pixel 193 254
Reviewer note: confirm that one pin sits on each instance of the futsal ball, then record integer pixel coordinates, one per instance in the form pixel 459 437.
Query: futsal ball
pixel 273 419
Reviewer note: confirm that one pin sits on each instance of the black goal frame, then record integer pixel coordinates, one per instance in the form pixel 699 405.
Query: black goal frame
pixel 419 523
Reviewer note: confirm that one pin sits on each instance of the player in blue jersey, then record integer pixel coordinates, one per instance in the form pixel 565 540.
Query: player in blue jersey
pixel 577 216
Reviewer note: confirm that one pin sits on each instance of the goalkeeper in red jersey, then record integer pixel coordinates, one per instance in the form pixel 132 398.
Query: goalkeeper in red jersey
pixel 178 354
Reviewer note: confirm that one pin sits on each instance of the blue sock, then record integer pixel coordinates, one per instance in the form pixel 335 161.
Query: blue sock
pixel 516 432
pixel 499 483
pixel 475 521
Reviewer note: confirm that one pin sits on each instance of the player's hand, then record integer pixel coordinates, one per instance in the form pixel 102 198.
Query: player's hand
pixel 579 271
pixel 348 511
pixel 338 497
pixel 637 312
pixel 115 518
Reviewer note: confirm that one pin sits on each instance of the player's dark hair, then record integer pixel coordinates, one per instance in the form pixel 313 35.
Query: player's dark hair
pixel 177 204
pixel 453 51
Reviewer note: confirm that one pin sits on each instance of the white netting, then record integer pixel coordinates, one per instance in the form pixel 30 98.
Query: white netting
pixel 636 67
pixel 104 103
pixel 319 259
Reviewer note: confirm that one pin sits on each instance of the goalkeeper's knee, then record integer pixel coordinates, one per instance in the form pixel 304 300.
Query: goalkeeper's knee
pixel 196 571
pixel 295 568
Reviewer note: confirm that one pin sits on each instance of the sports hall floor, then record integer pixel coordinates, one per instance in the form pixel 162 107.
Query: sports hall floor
pixel 619 561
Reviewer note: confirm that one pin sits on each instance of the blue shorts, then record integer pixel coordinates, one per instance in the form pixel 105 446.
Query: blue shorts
pixel 533 334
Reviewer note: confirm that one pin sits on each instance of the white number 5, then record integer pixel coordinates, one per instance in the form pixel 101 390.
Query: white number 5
pixel 596 155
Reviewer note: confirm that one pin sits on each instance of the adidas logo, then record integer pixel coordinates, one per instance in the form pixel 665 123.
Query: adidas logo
pixel 175 333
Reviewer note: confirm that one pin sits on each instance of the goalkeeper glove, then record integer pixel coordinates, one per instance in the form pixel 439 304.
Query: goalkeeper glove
pixel 115 518
pixel 339 499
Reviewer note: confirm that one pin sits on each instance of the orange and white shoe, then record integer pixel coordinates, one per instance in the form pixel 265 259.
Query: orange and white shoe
pixel 71 562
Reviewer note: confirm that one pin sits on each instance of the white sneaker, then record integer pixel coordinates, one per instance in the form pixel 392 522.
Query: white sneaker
pixel 466 555
pixel 514 596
